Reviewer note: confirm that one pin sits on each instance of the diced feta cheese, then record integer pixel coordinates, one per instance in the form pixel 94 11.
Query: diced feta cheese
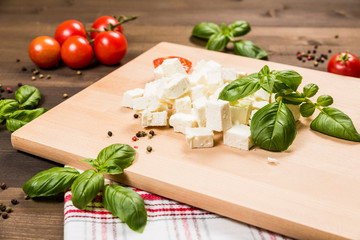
pixel 272 161
pixel 155 88
pixel 197 92
pixel 181 121
pixel 150 103
pixel 218 116
pixel 130 95
pixel 240 112
pixel 158 73
pixel 214 81
pixel 239 137
pixel 199 111
pixel 183 105
pixel 199 137
pixel 197 78
pixel 172 66
pixel 240 75
pixel 252 113
pixel 259 104
pixel 262 95
pixel 153 119
pixel 295 109
pixel 213 65
pixel 200 65
pixel 228 74
pixel 177 86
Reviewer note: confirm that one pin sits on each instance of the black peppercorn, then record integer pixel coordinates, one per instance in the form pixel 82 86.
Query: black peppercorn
pixel 14 201
pixel 138 134
pixel 329 51
pixel 109 133
pixel 19 84
pixel 4 215
pixel 24 69
pixel 149 148
pixel 3 208
pixel 3 185
pixel 17 60
pixel 136 115
pixel 152 133
pixel 143 133
pixel 316 46
pixel 26 197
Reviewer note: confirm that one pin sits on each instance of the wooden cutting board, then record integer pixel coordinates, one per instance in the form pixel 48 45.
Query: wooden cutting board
pixel 314 193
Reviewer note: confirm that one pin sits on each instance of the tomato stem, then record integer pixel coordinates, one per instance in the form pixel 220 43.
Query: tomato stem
pixel 343 58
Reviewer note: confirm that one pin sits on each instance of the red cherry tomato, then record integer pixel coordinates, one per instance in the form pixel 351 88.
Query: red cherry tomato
pixel 184 62
pixel 44 51
pixel 102 22
pixel 69 28
pixel 344 63
pixel 110 47
pixel 76 52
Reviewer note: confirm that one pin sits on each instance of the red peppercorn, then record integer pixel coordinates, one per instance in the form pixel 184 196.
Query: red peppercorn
pixel 134 138
pixel 309 58
pixel 299 55
pixel 136 147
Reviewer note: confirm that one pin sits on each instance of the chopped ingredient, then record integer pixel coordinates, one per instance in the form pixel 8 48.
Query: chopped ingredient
pixel 149 148
pixel 273 161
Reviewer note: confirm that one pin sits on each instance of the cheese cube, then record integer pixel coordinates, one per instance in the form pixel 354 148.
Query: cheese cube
pixel 214 81
pixel 154 119
pixel 150 103
pixel 199 137
pixel 240 112
pixel 158 72
pixel 177 86
pixel 197 92
pixel 218 116
pixel 199 111
pixel 262 95
pixel 240 75
pixel 201 65
pixel 196 78
pixel 295 109
pixel 155 88
pixel 259 104
pixel 130 95
pixel 183 105
pixel 228 74
pixel 172 66
pixel 214 66
pixel 252 113
pixel 239 137
pixel 181 121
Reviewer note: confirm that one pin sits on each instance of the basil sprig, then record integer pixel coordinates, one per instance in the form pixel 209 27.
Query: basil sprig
pixel 273 126
pixel 219 36
pixel 120 201
pixel 21 110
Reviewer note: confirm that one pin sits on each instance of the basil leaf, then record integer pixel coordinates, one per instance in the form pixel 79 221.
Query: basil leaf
pixel 86 187
pixel 217 42
pixel 115 158
pixel 28 96
pixel 325 100
pixel 50 182
pixel 240 88
pixel 307 109
pixel 294 98
pixel 127 205
pixel 226 31
pixel 21 117
pixel 239 28
pixel 249 49
pixel 290 78
pixel 273 127
pixel 267 80
pixel 310 90
pixel 93 162
pixel 334 122
pixel 205 30
pixel 7 107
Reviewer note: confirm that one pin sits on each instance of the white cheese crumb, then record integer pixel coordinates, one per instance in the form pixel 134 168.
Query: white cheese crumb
pixel 272 161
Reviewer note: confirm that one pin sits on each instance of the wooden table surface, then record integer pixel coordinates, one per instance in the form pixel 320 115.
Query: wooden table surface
pixel 281 27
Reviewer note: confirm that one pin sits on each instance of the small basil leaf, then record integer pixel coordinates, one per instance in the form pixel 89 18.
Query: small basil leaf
pixel 249 49
pixel 240 88
pixel 93 162
pixel 307 109
pixel 267 79
pixel 127 205
pixel 273 127
pixel 7 107
pixel 239 28
pixel 28 96
pixel 21 117
pixel 86 187
pixel 205 30
pixel 217 42
pixel 226 31
pixel 310 90
pixel 290 78
pixel 50 182
pixel 294 98
pixel 334 122
pixel 115 158
pixel 325 100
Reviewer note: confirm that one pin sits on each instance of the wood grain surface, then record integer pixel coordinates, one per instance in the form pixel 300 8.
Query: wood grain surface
pixel 280 27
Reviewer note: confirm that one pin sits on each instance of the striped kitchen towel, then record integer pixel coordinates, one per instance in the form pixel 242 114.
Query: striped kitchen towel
pixel 167 219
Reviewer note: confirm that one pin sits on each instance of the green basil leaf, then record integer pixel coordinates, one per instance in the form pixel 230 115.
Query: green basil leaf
pixel 240 88
pixel 249 49
pixel 21 117
pixel 86 187
pixel 294 98
pixel 273 127
pixel 225 30
pixel 28 96
pixel 93 162
pixel 217 42
pixel 239 28
pixel 127 205
pixel 50 182
pixel 267 79
pixel 7 107
pixel 334 122
pixel 310 90
pixel 115 158
pixel 307 109
pixel 205 30
pixel 290 78
pixel 325 100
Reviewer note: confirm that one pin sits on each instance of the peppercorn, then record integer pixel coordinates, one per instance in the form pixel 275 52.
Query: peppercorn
pixel 35 72
pixel 24 69
pixel 316 63
pixel 4 215
pixel 151 132
pixel 3 185
pixel 9 90
pixel 26 197
pixel 48 76
pixel 1 204
pixel 2 90
pixel 136 147
pixel 138 135
pixel 41 76
pixel 143 134
pixel 149 148
pixel 314 51
pixel 336 36
pixel 309 57
pixel 19 84
pixel 134 138
pixel 33 78
pixel 136 115
pixel 14 201
pixel 65 95
pixel 109 133
pixel 303 60
pixel 298 55
pixel 325 56
pixel 17 60
pixel 316 46
pixel 8 210
pixel 3 208
pixel 78 72
pixel 329 51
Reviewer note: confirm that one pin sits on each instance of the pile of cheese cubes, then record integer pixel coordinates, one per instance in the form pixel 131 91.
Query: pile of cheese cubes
pixel 189 103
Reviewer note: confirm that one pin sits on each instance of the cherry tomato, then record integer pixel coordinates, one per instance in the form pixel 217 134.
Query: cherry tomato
pixel 184 62
pixel 76 52
pixel 110 47
pixel 102 22
pixel 344 63
pixel 44 51
pixel 69 28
